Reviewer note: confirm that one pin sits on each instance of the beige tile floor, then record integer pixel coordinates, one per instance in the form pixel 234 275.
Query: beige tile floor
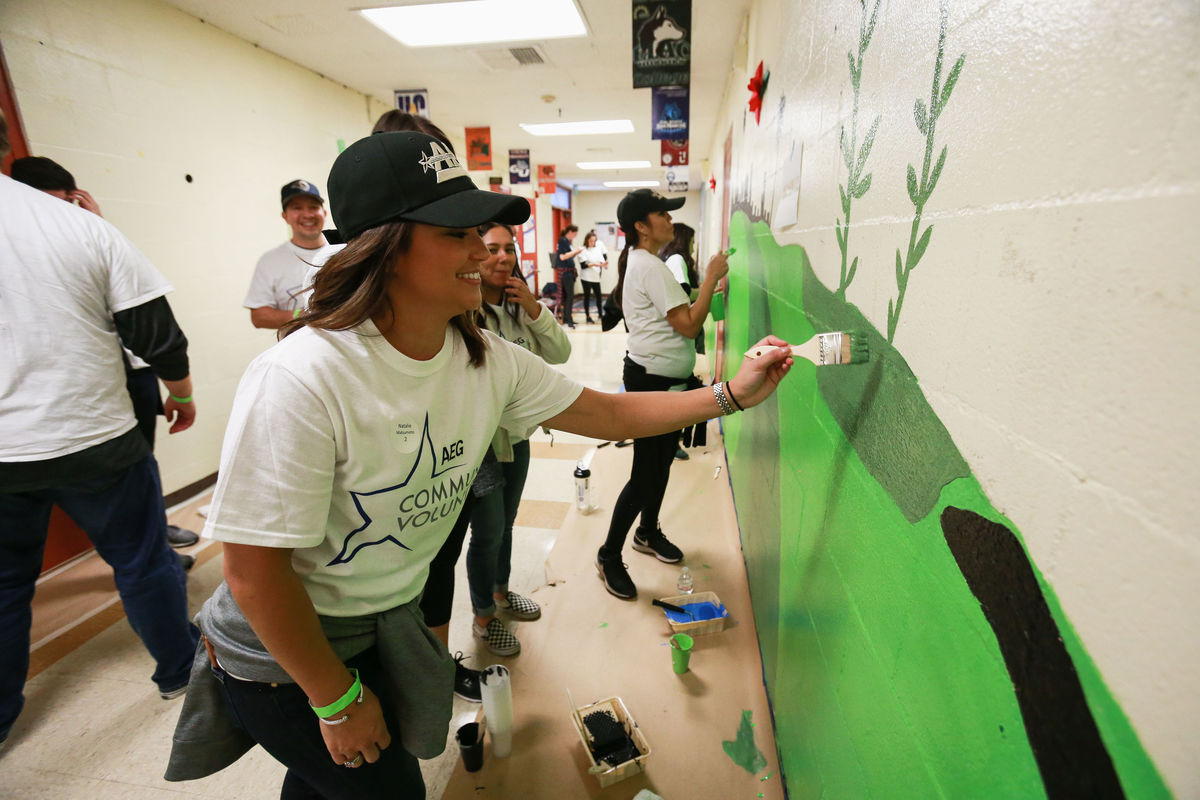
pixel 93 725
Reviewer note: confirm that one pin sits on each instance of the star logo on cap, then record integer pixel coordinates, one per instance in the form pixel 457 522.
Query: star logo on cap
pixel 441 160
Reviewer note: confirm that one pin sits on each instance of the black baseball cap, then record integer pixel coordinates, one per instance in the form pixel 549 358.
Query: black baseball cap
pixel 637 204
pixel 297 188
pixel 406 175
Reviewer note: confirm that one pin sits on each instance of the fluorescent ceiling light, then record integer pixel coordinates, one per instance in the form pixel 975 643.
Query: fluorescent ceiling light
pixel 629 184
pixel 612 164
pixel 579 128
pixel 478 22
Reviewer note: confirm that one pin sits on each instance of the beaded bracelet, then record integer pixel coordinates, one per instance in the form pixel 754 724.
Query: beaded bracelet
pixel 352 694
pixel 723 401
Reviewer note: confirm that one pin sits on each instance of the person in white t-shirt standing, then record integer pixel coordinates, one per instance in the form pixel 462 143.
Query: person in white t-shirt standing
pixel 351 446
pixel 73 290
pixel 593 259
pixel 662 326
pixel 274 295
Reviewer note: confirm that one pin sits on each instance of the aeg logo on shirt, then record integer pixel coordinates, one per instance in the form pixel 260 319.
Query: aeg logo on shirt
pixel 443 161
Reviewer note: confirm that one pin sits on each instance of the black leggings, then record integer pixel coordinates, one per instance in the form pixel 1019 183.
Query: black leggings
pixel 590 288
pixel 438 598
pixel 652 459
pixel 567 294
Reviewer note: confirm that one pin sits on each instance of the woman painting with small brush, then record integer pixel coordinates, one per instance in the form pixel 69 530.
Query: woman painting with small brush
pixel 350 447
pixel 663 325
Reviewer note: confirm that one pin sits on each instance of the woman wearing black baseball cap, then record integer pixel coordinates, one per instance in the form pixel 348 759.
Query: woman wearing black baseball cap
pixel 661 355
pixel 350 448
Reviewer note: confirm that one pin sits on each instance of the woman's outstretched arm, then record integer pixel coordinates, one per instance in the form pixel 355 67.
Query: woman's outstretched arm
pixel 636 415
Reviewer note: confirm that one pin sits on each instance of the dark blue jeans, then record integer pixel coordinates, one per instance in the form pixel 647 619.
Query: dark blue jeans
pixel 489 555
pixel 123 515
pixel 278 717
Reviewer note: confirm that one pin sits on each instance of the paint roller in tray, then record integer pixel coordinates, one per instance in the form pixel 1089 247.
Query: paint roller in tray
pixel 826 349
pixel 692 612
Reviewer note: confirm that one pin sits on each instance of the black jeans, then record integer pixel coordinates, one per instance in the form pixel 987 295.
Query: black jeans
pixel 279 718
pixel 591 288
pixel 652 459
pixel 566 290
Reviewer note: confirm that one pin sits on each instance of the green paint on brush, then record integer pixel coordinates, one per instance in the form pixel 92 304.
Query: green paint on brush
pixel 742 750
pixel 881 667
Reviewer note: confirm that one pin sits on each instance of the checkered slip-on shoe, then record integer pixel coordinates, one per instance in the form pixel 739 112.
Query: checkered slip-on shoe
pixel 519 606
pixel 498 638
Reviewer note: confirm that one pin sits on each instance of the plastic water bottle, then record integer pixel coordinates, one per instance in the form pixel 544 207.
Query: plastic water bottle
pixel 583 498
pixel 684 584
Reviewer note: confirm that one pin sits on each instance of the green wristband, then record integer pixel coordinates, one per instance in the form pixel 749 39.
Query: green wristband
pixel 187 399
pixel 352 694
pixel 296 313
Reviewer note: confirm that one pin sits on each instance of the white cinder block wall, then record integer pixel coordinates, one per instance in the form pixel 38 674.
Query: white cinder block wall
pixel 132 96
pixel 1052 322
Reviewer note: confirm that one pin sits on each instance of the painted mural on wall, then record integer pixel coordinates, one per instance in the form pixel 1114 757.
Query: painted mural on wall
pixel 911 649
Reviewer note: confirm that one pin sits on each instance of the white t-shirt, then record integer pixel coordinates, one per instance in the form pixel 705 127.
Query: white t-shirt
pixel 279 275
pixel 678 267
pixel 592 255
pixel 359 458
pixel 650 292
pixel 64 272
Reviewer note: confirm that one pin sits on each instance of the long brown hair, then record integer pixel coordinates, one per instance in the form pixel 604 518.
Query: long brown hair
pixel 681 245
pixel 352 288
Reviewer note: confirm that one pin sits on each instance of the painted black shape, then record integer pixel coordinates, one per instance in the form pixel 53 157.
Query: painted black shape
pixel 1066 743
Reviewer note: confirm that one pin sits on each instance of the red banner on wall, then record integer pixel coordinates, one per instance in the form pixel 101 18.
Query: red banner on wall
pixel 674 152
pixel 479 148
pixel 546 180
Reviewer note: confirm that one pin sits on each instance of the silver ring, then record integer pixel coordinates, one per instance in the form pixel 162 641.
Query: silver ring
pixel 353 763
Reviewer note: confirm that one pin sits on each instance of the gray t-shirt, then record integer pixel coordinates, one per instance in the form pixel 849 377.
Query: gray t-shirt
pixel 650 292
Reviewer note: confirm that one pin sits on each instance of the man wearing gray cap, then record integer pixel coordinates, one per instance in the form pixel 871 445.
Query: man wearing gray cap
pixel 273 298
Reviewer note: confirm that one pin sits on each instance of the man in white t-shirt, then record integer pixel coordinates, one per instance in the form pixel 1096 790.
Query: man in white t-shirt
pixel 73 290
pixel 274 295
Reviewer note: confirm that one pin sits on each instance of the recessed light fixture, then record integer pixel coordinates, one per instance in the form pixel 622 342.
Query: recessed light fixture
pixel 579 128
pixel 630 184
pixel 612 164
pixel 478 22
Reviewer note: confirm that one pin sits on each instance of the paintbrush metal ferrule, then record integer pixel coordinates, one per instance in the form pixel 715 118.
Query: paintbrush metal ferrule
pixel 825 349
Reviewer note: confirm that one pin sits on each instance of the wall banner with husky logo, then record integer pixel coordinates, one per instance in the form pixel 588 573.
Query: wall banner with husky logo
pixel 662 43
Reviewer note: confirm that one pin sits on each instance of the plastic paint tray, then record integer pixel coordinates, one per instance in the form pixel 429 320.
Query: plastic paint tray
pixel 613 705
pixel 700 626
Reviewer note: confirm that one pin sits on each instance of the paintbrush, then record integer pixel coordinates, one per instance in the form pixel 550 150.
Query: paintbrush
pixel 825 349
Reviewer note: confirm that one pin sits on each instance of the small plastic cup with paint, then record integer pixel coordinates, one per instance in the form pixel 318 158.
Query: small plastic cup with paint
pixel 681 652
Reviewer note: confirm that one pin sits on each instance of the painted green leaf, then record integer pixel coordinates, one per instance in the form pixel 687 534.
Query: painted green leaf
pixel 845 146
pixel 919 250
pixel 853 269
pixel 912 186
pixel 845 201
pixel 890 312
pixel 899 274
pixel 862 186
pixel 854 73
pixel 937 172
pixel 919 114
pixel 841 238
pixel 868 141
pixel 951 79
pixel 866 39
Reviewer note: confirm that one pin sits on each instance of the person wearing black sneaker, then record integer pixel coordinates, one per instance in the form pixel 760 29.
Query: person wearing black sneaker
pixel 661 355
pixel 350 448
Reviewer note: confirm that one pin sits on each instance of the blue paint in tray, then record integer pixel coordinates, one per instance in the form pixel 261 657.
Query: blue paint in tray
pixel 700 612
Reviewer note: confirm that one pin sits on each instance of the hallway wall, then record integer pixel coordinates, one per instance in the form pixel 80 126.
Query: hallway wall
pixel 133 96
pixel 974 558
